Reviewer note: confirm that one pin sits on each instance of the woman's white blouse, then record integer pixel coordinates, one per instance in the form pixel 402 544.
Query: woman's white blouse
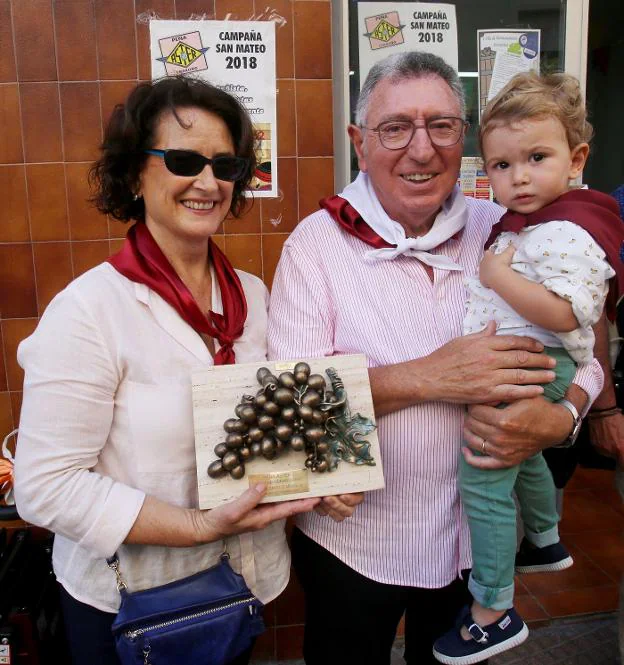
pixel 107 418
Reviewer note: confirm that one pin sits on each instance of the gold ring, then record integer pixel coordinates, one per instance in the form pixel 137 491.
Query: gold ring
pixel 483 447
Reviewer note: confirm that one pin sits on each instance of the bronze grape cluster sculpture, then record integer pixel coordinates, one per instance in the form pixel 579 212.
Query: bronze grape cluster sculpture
pixel 297 411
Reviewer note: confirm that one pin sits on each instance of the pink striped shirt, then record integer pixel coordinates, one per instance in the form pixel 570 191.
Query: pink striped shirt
pixel 327 300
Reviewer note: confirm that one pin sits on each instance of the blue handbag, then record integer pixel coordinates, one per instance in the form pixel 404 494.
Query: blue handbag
pixel 209 618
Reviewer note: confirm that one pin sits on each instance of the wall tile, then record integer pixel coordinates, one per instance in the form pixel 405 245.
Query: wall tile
pixel 13 332
pixel 281 214
pixel 87 255
pixel 17 295
pixel 316 181
pixel 248 223
pixel 219 241
pixel 115 245
pixel 269 614
pixel 3 373
pixel 6 415
pixel 8 71
pixel 77 58
pixel 289 642
pixel 16 406
pixel 111 94
pixel 313 40
pixel 34 40
pixel 53 270
pixel 80 108
pixel 85 222
pixel 235 10
pixel 283 16
pixel 41 118
pixel 163 9
pixel 47 201
pixel 7 422
pixel 14 210
pixel 314 118
pixel 117 229
pixel 272 244
pixel 264 648
pixel 11 123
pixel 289 606
pixel 245 252
pixel 286 118
pixel 185 9
pixel 116 42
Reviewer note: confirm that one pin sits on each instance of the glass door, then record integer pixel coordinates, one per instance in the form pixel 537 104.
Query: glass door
pixel 605 94
pixel 563 25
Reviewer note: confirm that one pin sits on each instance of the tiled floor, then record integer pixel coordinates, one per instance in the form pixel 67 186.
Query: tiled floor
pixel 575 605
pixel 593 529
pixel 589 641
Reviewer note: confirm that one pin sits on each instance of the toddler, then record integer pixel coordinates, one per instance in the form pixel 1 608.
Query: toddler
pixel 545 275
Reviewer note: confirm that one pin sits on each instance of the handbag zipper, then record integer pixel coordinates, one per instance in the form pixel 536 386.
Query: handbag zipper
pixel 133 634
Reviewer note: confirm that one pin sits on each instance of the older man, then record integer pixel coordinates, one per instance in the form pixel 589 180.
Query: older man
pixel 379 270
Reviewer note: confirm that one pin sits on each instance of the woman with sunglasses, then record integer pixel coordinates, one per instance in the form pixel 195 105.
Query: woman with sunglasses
pixel 106 455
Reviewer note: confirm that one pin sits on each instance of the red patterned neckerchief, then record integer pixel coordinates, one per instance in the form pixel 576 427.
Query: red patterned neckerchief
pixel 141 260
pixel 593 211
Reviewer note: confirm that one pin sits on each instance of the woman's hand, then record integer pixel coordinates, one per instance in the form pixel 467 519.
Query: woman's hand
pixel 339 507
pixel 607 436
pixel 514 433
pixel 492 264
pixel 245 514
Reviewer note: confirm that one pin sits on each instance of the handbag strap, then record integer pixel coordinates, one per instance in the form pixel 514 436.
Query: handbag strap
pixel 113 563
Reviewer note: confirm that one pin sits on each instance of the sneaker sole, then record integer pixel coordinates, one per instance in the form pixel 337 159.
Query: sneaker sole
pixel 546 567
pixel 494 650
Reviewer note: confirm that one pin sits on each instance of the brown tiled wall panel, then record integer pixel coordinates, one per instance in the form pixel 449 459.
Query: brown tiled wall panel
pixel 64 66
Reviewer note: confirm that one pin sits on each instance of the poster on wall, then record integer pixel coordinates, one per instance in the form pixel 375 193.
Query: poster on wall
pixel 501 55
pixel 238 57
pixel 473 179
pixel 392 27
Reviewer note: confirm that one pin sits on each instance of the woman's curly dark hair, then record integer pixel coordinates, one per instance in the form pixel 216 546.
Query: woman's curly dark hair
pixel 131 129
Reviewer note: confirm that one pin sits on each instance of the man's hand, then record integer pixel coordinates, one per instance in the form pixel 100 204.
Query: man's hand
pixel 485 367
pixel 607 436
pixel 514 433
pixel 493 264
pixel 474 369
pixel 339 507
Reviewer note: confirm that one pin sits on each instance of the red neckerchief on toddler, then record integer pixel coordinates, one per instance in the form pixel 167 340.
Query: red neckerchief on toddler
pixel 593 211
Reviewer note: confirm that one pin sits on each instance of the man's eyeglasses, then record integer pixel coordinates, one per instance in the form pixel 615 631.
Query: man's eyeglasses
pixel 189 163
pixel 443 132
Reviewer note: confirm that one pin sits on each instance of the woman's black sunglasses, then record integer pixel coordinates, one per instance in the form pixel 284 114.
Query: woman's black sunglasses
pixel 190 163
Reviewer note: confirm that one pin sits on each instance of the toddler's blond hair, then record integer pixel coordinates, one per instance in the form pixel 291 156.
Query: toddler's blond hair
pixel 530 96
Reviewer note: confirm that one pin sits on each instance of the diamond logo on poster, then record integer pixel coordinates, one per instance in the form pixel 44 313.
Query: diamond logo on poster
pixel 183 53
pixel 384 30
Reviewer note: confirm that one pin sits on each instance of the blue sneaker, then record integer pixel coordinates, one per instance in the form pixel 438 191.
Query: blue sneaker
pixel 506 633
pixel 531 559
